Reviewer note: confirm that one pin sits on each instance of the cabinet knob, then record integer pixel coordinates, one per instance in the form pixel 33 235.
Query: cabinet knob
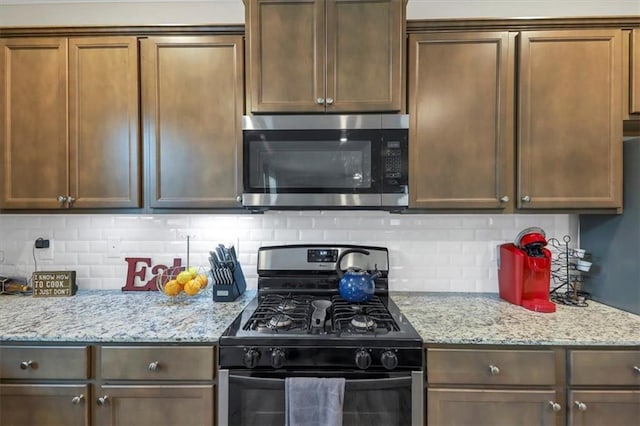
pixel 76 400
pixel 504 199
pixel 636 369
pixel 493 370
pixel 26 364
pixel 239 199
pixel 154 366
pixel 581 405
pixel 62 199
pixel 320 101
pixel 103 400
pixel 526 199
pixel 70 200
pixel 555 406
pixel 329 101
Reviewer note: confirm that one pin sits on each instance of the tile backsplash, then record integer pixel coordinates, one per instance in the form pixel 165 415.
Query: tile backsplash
pixel 427 252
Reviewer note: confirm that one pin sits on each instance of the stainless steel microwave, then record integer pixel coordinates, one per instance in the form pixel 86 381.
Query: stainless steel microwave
pixel 325 161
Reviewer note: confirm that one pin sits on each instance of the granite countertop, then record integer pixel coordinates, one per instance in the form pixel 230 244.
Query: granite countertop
pixel 442 318
pixel 467 318
pixel 117 317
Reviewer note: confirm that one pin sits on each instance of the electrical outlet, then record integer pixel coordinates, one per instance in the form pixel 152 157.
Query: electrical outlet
pixel 113 247
pixel 45 253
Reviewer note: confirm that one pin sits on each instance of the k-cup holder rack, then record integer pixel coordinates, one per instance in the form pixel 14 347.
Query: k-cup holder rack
pixel 569 266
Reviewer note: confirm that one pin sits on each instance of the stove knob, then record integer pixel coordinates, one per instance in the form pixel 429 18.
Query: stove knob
pixel 363 359
pixel 251 358
pixel 277 358
pixel 389 360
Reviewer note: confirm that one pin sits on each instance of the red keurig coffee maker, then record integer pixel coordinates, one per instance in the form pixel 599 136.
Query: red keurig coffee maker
pixel 524 271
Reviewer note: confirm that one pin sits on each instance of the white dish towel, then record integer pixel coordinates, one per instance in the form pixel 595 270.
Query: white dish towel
pixel 312 401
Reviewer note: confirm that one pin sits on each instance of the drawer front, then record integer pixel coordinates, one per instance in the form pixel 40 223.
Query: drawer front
pixel 44 362
pixel 491 367
pixel 592 367
pixel 157 363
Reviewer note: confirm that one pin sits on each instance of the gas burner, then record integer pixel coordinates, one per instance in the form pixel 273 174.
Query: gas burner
pixel 287 305
pixel 363 322
pixel 280 322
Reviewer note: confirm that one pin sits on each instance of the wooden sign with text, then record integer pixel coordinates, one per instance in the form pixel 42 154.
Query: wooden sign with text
pixel 54 283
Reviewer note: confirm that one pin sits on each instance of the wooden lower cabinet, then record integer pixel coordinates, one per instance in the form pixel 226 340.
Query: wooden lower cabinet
pixel 154 405
pixel 44 385
pixel 604 387
pixel 154 385
pixel 478 386
pixel 44 404
pixel 604 407
pixel 490 407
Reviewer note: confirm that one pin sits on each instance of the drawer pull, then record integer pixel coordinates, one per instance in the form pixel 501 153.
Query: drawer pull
pixel 493 370
pixel 636 369
pixel 103 400
pixel 76 400
pixel 581 405
pixel 154 366
pixel 26 364
pixel 555 406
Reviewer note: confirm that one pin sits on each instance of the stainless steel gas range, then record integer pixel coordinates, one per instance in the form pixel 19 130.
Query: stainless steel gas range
pixel 300 326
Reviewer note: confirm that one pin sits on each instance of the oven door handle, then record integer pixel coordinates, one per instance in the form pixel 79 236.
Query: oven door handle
pixel 262 382
pixel 351 384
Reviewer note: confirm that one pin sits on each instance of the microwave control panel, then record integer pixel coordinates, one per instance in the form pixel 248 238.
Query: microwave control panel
pixel 395 164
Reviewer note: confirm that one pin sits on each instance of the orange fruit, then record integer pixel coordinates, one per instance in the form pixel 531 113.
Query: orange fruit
pixel 172 288
pixel 183 277
pixel 191 287
pixel 202 280
pixel 193 271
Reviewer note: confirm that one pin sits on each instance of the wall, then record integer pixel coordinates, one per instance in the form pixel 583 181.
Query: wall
pixel 141 12
pixel 427 252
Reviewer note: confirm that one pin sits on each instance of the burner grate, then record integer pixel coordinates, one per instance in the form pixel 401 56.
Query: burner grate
pixel 277 313
pixel 366 317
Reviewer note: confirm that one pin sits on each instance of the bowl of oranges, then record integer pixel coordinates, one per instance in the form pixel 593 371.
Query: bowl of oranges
pixel 181 283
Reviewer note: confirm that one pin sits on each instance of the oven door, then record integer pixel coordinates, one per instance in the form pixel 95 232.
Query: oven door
pixel 258 399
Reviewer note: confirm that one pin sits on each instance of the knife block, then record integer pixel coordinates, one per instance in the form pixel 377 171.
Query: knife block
pixel 230 292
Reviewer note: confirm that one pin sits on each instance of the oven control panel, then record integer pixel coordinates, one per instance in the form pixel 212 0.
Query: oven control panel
pixel 362 358
pixel 322 255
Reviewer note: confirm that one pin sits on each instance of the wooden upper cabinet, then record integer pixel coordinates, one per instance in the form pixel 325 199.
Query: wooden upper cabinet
pixel 192 110
pixel 631 77
pixel 570 119
pixel 325 55
pixel 104 136
pixel 33 139
pixel 70 123
pixel 461 152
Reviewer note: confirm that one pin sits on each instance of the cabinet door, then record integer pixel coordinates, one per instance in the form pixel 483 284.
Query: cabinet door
pixel 103 122
pixel 161 405
pixel 33 139
pixel 634 72
pixel 365 46
pixel 286 55
pixel 596 408
pixel 570 119
pixel 51 405
pixel 192 111
pixel 483 407
pixel 460 150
